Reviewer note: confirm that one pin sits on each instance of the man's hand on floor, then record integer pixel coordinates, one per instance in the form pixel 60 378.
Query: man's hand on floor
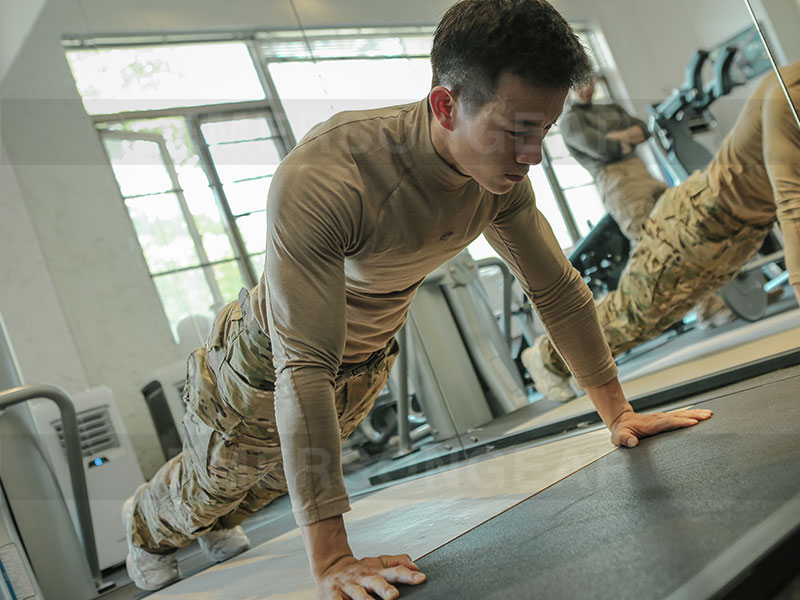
pixel 365 579
pixel 630 427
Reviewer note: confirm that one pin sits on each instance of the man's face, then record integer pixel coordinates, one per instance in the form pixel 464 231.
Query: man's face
pixel 499 142
pixel 586 93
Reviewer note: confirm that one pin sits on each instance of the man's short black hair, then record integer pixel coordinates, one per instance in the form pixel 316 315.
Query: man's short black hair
pixel 479 40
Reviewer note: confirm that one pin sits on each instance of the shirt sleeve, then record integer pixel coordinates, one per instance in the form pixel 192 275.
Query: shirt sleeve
pixel 524 239
pixel 309 229
pixel 589 140
pixel 781 144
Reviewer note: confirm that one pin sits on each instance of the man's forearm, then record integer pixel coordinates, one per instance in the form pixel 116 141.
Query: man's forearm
pixel 797 291
pixel 636 135
pixel 326 543
pixel 609 401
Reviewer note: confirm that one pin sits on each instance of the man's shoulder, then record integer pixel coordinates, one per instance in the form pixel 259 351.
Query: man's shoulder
pixel 353 122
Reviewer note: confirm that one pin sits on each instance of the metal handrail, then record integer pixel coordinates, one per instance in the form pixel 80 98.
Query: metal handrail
pixel 507 280
pixel 69 419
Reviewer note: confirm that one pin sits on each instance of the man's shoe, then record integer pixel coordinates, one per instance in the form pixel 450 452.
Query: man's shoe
pixel 223 544
pixel 718 319
pixel 549 385
pixel 147 570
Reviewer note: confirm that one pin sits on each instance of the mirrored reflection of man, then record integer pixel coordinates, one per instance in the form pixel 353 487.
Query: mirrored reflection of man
pixel 704 230
pixel 603 139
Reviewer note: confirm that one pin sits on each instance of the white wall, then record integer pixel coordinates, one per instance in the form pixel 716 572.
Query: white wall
pixel 76 294
pixel 16 19
pixel 29 301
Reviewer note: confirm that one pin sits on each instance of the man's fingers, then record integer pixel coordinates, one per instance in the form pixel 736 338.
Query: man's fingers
pixel 399 560
pixel 403 575
pixel 624 437
pixel 379 585
pixel 356 592
pixel 701 414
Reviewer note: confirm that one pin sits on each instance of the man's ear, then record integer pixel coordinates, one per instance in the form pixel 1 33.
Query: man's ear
pixel 443 104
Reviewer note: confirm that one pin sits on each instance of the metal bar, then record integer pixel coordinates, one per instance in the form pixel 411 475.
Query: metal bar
pixel 183 111
pixel 507 280
pixel 403 432
pixel 69 419
pixel 278 114
pixel 763 260
pixel 558 194
pixel 774 63
pixel 207 163
pixel 197 239
pixel 212 263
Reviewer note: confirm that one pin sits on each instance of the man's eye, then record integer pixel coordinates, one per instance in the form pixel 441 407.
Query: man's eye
pixel 516 133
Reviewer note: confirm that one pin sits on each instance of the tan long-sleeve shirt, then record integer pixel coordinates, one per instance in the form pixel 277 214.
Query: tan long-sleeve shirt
pixel 756 173
pixel 358 214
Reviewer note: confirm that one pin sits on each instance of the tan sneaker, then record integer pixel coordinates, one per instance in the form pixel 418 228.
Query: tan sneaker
pixel 147 570
pixel 223 544
pixel 548 384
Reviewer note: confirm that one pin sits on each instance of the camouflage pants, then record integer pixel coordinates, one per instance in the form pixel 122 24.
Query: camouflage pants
pixel 629 193
pixel 231 464
pixel 690 247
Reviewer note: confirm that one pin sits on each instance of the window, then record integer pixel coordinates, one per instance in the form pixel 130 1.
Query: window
pixel 193 144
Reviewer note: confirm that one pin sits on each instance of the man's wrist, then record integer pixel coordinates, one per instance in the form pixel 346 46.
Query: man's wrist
pixel 326 544
pixel 609 401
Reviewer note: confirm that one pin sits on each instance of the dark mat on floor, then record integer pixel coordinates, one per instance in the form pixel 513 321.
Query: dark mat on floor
pixel 638 523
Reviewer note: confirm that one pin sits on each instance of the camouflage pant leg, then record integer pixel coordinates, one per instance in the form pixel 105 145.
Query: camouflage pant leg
pixel 629 194
pixel 689 248
pixel 230 439
pixel 354 397
pixel 231 463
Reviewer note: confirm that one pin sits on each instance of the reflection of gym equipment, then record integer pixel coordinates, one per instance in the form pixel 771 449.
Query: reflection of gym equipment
pixel 163 395
pixel 675 121
pixel 601 256
pixel 459 361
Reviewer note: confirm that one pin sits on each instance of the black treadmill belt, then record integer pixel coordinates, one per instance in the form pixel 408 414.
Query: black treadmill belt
pixel 638 523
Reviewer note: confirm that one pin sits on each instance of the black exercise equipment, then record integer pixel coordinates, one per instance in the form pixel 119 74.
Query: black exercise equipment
pixel 676 120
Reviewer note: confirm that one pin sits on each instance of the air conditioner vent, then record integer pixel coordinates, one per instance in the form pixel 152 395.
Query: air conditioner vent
pixel 95 429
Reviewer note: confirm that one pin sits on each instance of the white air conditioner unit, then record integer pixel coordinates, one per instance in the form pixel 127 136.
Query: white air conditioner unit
pixel 110 465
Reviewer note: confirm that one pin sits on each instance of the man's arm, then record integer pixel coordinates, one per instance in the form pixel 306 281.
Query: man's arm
pixel 310 227
pixel 523 238
pixel 581 136
pixel 337 571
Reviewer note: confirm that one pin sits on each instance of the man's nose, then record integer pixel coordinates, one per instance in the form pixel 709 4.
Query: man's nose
pixel 530 154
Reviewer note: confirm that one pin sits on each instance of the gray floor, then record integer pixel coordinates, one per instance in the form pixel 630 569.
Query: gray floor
pixel 641 523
